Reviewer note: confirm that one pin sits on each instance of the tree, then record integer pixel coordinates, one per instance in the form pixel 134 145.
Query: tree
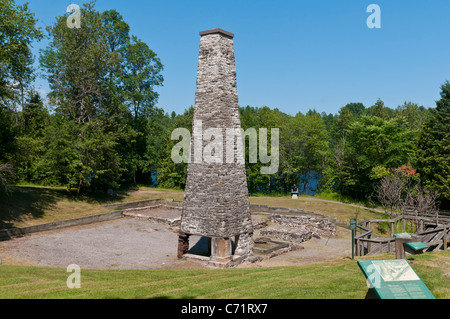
pixel 170 174
pixel 142 73
pixel 94 73
pixel 434 148
pixel 8 134
pixel 17 33
pixel 400 192
pixel 414 114
pixel 35 115
pixel 380 110
pixel 29 144
pixel 307 149
pixel 375 141
pixel 6 176
pixel 382 142
pixel 336 173
pixel 77 62
pixel 389 194
pixel 356 109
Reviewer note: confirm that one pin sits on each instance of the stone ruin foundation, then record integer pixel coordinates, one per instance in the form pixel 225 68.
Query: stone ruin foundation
pixel 274 232
pixel 216 202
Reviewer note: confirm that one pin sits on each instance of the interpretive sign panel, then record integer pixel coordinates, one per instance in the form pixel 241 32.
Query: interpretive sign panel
pixel 394 279
pixel 353 223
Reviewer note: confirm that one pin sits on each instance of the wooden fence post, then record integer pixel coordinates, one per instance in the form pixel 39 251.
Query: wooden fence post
pixel 445 238
pixel 357 248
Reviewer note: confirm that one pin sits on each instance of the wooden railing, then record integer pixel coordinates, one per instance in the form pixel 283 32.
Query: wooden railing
pixel 435 238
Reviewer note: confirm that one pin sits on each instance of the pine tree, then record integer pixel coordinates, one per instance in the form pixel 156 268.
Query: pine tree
pixel 434 148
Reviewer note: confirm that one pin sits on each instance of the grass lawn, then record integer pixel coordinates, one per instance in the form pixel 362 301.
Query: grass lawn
pixel 341 211
pixel 339 279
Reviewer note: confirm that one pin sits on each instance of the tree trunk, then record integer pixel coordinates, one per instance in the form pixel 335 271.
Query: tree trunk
pixel 79 186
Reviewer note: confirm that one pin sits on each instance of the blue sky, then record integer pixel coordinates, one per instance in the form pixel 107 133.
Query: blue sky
pixel 293 55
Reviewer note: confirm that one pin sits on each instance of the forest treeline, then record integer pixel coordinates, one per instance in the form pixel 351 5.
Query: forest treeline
pixel 100 127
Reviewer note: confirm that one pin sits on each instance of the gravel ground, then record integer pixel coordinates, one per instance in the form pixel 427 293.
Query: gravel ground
pixel 314 251
pixel 129 243
pixel 125 243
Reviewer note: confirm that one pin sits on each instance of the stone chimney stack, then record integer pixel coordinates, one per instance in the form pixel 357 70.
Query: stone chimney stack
pixel 216 203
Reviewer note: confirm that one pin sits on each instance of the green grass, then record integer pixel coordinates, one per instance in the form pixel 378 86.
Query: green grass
pixel 340 279
pixel 341 211
pixel 343 199
pixel 31 205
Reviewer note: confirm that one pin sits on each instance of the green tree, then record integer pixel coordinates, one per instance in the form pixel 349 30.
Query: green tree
pixel 142 73
pixel 307 149
pixel 30 145
pixel 434 148
pixel 35 115
pixel 379 110
pixel 94 72
pixel 377 142
pixel 170 174
pixel 18 31
pixel 335 173
pixel 414 114
pixel 356 109
pixel 8 133
pixel 76 63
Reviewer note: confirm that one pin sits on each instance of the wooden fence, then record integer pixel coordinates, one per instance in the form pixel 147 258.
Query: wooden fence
pixel 435 231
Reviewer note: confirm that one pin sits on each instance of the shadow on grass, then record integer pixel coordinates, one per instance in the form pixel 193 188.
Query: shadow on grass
pixel 32 202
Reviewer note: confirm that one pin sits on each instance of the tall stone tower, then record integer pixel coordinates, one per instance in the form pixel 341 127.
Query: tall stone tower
pixel 216 203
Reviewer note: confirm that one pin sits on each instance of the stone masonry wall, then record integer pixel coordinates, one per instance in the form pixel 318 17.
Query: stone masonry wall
pixel 298 228
pixel 216 196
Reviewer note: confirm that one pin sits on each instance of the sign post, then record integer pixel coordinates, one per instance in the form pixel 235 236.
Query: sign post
pixel 353 222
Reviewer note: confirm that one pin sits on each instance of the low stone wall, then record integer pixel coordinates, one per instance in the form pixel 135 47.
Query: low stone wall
pixel 8 234
pixel 316 225
pixel 297 229
pixel 162 214
pixel 281 210
pixel 287 233
pixel 145 203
